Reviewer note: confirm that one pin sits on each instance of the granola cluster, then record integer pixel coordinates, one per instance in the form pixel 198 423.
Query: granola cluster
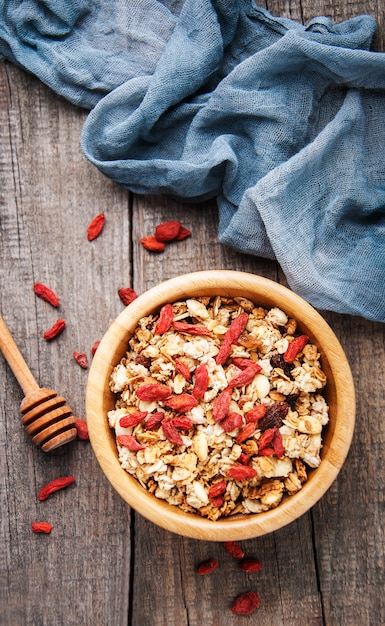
pixel 219 407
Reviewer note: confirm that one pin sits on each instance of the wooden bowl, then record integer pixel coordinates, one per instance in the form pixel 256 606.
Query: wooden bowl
pixel 339 394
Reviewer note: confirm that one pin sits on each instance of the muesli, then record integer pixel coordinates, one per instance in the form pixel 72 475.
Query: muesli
pixel 219 407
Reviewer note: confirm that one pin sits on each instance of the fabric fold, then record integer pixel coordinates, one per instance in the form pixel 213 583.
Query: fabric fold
pixel 283 123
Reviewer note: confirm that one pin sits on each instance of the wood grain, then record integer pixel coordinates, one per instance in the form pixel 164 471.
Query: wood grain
pixel 103 564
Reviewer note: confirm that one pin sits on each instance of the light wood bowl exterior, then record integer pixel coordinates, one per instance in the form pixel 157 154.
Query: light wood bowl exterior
pixel 339 394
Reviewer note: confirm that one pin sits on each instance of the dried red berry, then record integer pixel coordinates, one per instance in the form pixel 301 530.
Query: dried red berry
pixel 81 359
pixel 55 330
pixel 55 485
pixel 82 430
pixel 183 233
pixel 95 227
pixel 167 231
pixel 208 566
pixel 153 392
pixel 241 472
pixel 130 442
pixel 154 420
pixel 250 565
pixel 127 295
pixel 46 294
pixel 164 322
pixel 41 527
pixel 95 347
pixel 294 348
pixel 234 549
pixel 133 419
pixel 246 603
pixel 152 244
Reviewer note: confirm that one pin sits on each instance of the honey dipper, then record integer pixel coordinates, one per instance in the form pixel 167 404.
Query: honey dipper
pixel 46 416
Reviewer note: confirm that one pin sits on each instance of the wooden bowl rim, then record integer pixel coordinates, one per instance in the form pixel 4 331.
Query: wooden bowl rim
pixel 218 282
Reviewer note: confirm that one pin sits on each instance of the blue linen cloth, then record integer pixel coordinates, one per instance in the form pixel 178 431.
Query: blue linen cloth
pixel 283 123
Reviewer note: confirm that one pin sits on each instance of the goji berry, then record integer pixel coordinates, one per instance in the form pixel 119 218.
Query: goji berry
pixel 41 527
pixel 82 430
pixel 232 420
pixel 245 363
pixel 241 472
pixel 192 329
pixel 95 227
pixel 46 294
pixel 277 443
pixel 221 404
pixel 95 347
pixel 245 432
pixel 201 381
pixel 183 422
pixel 152 392
pixel 183 369
pixel 217 501
pixel 130 442
pixel 256 413
pixel 154 420
pixel 55 485
pixel 55 330
pixel 167 231
pixel 234 549
pixel 245 603
pixel 208 566
pixel 244 458
pixel 231 336
pixel 244 377
pixel 152 244
pixel 250 565
pixel 217 489
pixel 127 295
pixel 294 348
pixel 266 438
pixel 170 432
pixel 81 359
pixel 164 322
pixel 182 402
pixel 183 233
pixel 133 419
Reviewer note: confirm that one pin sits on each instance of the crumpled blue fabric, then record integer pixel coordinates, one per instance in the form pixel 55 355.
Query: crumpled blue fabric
pixel 283 123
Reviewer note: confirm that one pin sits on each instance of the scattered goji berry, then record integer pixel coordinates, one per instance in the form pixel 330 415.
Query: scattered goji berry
pixel 183 369
pixel 201 381
pixel 55 330
pixel 245 363
pixel 277 443
pixel 256 413
pixel 153 392
pixel 217 489
pixel 245 603
pixel 164 322
pixel 95 347
pixel 95 227
pixel 217 501
pixel 183 233
pixel 266 438
pixel 208 566
pixel 232 420
pixel 231 336
pixel 130 442
pixel 221 404
pixel 55 485
pixel 170 432
pixel 46 294
pixel 192 329
pixel 234 549
pixel 183 422
pixel 127 295
pixel 41 527
pixel 244 458
pixel 82 430
pixel 294 348
pixel 245 432
pixel 241 472
pixel 182 402
pixel 154 420
pixel 81 359
pixel 167 231
pixel 245 377
pixel 133 419
pixel 152 244
pixel 250 565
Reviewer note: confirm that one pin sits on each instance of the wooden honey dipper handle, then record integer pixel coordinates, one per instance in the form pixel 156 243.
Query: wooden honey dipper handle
pixel 16 361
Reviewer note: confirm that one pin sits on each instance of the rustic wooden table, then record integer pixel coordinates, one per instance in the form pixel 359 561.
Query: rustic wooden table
pixel 103 564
